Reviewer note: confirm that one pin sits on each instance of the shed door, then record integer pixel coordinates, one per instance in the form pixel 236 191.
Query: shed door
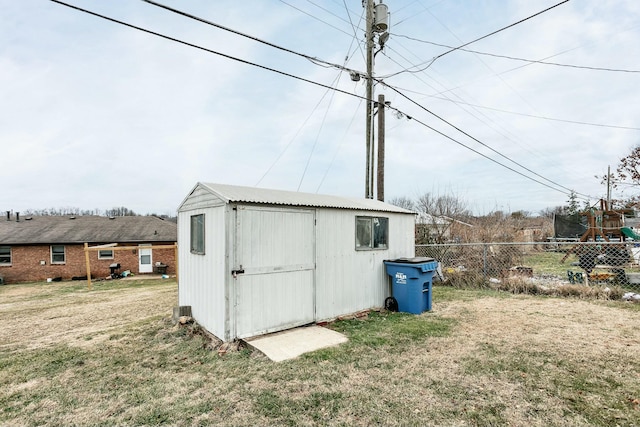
pixel 275 249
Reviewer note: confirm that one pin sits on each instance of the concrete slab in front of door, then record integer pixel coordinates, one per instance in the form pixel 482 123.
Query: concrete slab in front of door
pixel 292 343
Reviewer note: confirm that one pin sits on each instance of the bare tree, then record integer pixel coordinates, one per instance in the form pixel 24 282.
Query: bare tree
pixel 119 211
pixel 68 210
pixel 403 202
pixel 438 216
pixel 625 179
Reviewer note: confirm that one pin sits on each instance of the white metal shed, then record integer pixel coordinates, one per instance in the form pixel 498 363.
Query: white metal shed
pixel 254 261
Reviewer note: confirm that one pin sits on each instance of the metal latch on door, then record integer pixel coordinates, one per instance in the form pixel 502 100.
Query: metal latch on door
pixel 235 273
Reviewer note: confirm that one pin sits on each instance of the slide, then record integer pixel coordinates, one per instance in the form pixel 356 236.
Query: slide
pixel 629 233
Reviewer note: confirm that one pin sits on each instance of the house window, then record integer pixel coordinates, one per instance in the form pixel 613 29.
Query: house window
pixel 372 233
pixel 197 234
pixel 5 255
pixel 105 254
pixel 57 254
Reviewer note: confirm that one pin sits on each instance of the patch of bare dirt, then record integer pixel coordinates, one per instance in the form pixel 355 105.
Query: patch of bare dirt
pixel 38 316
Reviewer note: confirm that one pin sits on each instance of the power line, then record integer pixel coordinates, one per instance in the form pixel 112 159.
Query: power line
pixel 222 27
pixel 413 15
pixel 315 59
pixel 324 9
pixel 547 118
pixel 429 63
pixel 504 82
pixel 224 55
pixel 294 137
pixel 315 17
pixel 344 136
pixel 576 122
pixel 334 89
pixel 493 160
pixel 479 112
pixel 315 142
pixel 472 137
pixel 479 116
pixel 354 28
pixel 532 61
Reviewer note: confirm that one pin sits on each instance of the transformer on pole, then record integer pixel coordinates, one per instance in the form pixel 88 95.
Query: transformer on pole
pixel 377 22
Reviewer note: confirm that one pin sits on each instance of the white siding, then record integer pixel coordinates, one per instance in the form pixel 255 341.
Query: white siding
pixel 202 277
pixel 275 247
pixel 200 198
pixel 274 302
pixel 347 280
pixel 296 270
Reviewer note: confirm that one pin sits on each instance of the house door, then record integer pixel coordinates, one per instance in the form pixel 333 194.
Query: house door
pixel 145 259
pixel 275 269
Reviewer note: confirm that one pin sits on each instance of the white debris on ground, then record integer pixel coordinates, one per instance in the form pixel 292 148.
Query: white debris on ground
pixel 549 282
pixel 545 282
pixel 630 296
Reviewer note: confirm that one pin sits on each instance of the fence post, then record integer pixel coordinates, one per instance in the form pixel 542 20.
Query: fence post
pixel 484 261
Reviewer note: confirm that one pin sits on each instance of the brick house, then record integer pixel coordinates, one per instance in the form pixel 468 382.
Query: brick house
pixel 41 247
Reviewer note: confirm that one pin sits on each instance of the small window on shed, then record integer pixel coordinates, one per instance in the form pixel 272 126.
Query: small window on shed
pixel 197 234
pixel 105 254
pixel 372 233
pixel 57 254
pixel 5 255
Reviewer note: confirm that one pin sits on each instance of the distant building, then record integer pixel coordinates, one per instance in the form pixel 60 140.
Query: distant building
pixel 41 247
pixel 440 229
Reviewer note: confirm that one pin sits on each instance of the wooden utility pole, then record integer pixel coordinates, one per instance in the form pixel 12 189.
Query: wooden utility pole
pixel 369 110
pixel 381 106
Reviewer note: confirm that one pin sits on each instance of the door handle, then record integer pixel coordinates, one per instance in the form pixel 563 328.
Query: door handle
pixel 235 273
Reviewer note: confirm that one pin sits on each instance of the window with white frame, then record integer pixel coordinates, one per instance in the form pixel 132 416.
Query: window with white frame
pixel 105 254
pixel 5 255
pixel 197 234
pixel 57 254
pixel 372 233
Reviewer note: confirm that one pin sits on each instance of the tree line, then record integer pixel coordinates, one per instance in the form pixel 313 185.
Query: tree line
pixel 115 212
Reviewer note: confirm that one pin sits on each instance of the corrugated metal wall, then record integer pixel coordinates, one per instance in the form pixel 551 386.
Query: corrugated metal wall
pixel 202 277
pixel 275 247
pixel 300 265
pixel 347 280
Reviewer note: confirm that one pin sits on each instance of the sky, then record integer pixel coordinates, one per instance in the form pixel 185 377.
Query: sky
pixel 96 114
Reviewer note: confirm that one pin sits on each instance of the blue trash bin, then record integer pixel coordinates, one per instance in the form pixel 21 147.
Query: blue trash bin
pixel 412 280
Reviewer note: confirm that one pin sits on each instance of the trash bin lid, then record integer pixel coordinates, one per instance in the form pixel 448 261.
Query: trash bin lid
pixel 414 260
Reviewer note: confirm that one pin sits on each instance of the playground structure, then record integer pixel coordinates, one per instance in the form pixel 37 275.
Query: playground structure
pixel 628 232
pixel 606 226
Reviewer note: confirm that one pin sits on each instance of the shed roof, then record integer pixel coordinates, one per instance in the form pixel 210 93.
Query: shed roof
pixel 90 229
pixel 240 194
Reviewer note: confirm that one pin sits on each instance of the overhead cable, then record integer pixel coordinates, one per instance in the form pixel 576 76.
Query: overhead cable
pixel 470 136
pixel 532 61
pixel 430 62
pixel 315 17
pixel 326 87
pixel 231 30
pixel 224 55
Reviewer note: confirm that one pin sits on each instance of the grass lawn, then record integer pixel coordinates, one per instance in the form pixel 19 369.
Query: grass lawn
pixel 550 263
pixel 110 355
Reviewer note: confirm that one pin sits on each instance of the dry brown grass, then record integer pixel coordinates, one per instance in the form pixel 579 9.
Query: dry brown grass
pixel 535 286
pixel 111 356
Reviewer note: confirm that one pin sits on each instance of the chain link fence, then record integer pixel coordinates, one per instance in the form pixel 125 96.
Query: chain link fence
pixel 605 264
